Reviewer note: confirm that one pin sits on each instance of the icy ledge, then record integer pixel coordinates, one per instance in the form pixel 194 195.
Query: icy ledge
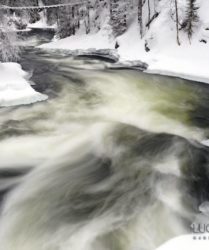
pixel 15 88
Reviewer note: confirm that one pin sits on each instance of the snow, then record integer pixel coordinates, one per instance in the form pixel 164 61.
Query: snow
pixel 98 41
pixel 205 142
pixel 41 24
pixel 186 242
pixel 82 42
pixel 190 60
pixel 15 88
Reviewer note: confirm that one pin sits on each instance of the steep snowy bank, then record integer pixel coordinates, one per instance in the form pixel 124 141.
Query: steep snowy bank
pixel 14 87
pixel 190 60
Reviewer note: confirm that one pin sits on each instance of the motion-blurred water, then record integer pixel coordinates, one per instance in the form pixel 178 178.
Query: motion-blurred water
pixel 112 161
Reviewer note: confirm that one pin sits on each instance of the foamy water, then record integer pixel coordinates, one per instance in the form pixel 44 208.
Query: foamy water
pixel 111 161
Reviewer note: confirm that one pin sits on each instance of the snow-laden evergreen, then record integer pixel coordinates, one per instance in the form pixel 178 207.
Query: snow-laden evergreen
pixel 8 39
pixel 15 88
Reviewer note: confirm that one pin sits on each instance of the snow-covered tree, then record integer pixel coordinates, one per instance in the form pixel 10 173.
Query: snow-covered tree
pixel 97 13
pixel 140 18
pixel 192 17
pixel 64 22
pixel 68 19
pixel 22 17
pixel 118 16
pixel 51 13
pixel 33 14
pixel 84 14
pixel 9 49
pixel 23 14
pixel 177 21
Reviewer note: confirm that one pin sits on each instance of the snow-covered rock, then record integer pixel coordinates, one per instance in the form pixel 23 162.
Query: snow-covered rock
pixel 15 89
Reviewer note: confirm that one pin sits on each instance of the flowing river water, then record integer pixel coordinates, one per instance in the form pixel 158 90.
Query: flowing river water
pixel 113 159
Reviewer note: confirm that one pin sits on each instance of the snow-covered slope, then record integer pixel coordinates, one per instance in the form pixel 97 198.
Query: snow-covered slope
pixel 97 41
pixel 190 60
pixel 103 39
pixel 14 87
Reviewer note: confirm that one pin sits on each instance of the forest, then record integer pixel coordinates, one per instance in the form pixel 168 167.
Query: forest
pixel 91 16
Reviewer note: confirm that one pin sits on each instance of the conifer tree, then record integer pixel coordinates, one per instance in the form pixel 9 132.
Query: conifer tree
pixel 9 49
pixel 192 17
pixel 118 16
pixel 51 13
pixel 65 28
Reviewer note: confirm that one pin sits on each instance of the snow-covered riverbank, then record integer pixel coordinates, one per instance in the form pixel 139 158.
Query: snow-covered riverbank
pixel 15 88
pixel 190 60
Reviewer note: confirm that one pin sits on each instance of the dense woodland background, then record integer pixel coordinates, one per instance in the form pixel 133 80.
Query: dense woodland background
pixel 89 16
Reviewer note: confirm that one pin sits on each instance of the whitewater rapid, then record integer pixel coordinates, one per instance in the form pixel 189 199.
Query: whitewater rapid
pixel 112 161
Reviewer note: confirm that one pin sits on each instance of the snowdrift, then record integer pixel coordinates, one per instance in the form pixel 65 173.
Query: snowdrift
pixel 15 89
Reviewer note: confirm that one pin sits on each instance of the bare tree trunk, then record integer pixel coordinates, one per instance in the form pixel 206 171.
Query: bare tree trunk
pixel 177 23
pixel 73 20
pixel 149 12
pixel 140 21
pixel 87 22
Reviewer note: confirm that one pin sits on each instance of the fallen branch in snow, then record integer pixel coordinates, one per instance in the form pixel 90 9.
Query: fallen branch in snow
pixel 152 19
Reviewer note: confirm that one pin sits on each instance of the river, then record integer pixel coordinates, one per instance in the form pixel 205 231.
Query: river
pixel 113 159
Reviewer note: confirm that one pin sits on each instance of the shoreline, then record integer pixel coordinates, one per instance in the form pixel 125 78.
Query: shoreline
pixel 118 63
